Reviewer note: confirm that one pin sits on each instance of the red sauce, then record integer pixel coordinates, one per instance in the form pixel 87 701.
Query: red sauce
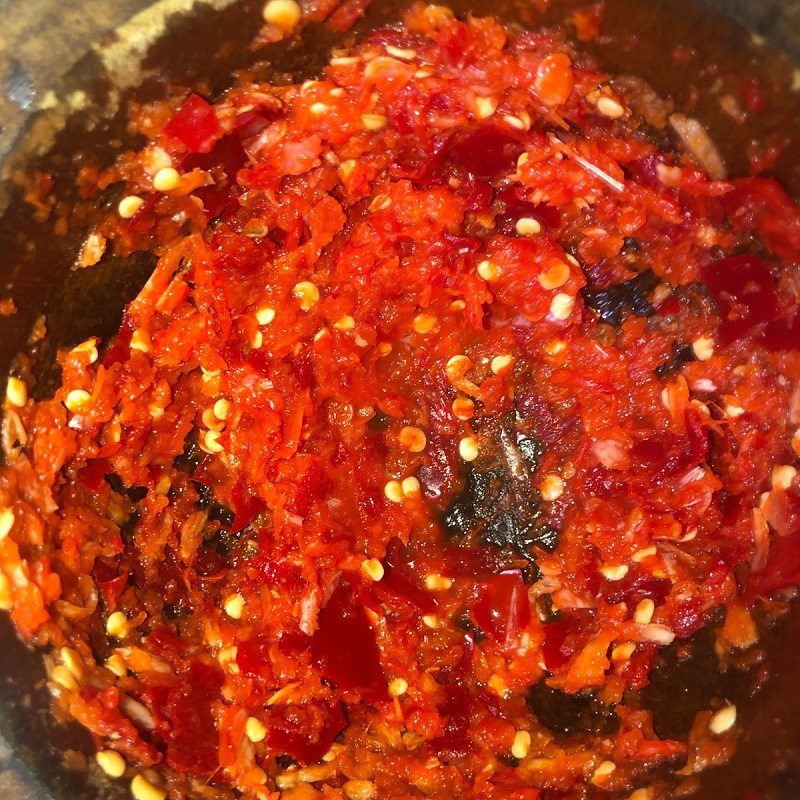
pixel 450 402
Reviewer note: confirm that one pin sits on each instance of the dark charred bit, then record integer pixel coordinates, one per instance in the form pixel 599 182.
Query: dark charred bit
pixel 631 245
pixel 571 714
pixel 90 303
pixel 498 504
pixel 379 422
pixel 189 460
pixel 222 514
pixel 205 496
pixel 137 493
pixel 222 541
pixel 463 622
pixel 173 612
pixel 217 512
pixel 544 607
pixel 128 527
pixel 681 354
pixel 115 482
pixel 632 295
pixel 531 449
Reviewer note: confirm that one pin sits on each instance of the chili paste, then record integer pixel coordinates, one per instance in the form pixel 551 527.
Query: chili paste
pixel 451 401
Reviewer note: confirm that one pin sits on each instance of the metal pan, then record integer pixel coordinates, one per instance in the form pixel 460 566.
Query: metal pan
pixel 67 70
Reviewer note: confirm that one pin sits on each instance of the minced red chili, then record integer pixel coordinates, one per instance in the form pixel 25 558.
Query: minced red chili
pixel 450 402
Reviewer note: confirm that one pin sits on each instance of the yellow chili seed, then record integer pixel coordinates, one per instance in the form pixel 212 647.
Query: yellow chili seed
pixel 468 448
pixel 6 522
pixel 16 392
pixel 129 205
pixel 142 789
pixel 284 14
pixel 522 744
pixel 166 179
pixel 111 762
pixel 234 606
pixel 372 569
pixel 254 730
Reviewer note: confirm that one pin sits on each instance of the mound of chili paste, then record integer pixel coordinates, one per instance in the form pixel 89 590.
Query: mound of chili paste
pixel 451 401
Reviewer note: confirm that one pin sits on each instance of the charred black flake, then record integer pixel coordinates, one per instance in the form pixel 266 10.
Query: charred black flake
pixel 463 622
pixel 222 542
pixel 189 460
pixel 681 354
pixel 135 493
pixel 205 497
pixel 379 423
pixel 631 245
pixel 632 295
pixel 222 514
pixel 498 503
pixel 115 482
pixel 173 612
pixel 217 512
pixel 128 527
pixel 532 449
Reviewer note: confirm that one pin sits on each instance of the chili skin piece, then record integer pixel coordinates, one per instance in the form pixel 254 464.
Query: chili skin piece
pixel 430 429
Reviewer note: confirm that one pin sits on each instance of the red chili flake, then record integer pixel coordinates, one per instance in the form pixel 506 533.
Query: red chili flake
pixel 109 580
pixel 398 583
pixel 195 125
pixel 486 152
pixel 246 506
pixel 344 645
pixel 305 733
pixel 503 610
pixel 782 511
pixel 192 740
pixel 454 742
pixel 252 656
pixel 744 289
pixel 516 206
pixel 554 79
pixel 92 476
pixel 120 348
pixel 637 585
